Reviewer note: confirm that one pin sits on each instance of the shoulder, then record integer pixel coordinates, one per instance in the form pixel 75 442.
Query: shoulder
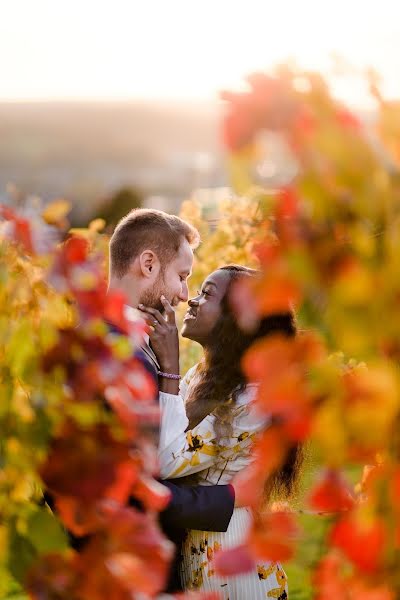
pixel 245 413
pixel 188 377
pixel 247 396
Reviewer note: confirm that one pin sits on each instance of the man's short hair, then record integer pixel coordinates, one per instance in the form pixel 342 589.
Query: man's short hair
pixel 148 229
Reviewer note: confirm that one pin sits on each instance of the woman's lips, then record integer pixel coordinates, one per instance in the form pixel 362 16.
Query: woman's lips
pixel 189 317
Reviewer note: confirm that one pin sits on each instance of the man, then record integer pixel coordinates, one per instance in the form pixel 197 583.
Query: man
pixel 151 254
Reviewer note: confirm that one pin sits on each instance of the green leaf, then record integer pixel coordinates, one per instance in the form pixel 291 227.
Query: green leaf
pixel 22 348
pixel 21 556
pixel 9 588
pixel 46 533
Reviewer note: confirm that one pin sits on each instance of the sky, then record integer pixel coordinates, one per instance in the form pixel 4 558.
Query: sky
pixel 182 49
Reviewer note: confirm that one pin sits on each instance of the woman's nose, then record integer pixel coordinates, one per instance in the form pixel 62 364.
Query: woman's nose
pixel 193 302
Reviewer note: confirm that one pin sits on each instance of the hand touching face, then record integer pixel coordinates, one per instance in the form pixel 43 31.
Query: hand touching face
pixel 163 335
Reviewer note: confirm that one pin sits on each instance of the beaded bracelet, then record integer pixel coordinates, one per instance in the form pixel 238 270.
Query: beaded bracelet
pixel 169 375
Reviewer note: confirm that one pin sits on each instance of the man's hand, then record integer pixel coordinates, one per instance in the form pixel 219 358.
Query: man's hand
pixel 164 338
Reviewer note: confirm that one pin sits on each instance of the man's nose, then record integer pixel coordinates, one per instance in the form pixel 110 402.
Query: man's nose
pixel 184 295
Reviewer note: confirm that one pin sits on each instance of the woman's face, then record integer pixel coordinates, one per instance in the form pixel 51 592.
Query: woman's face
pixel 205 309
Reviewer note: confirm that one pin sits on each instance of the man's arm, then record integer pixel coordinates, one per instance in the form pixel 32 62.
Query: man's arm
pixel 208 508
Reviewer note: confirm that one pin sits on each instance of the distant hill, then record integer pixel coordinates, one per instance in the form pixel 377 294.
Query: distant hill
pixel 85 151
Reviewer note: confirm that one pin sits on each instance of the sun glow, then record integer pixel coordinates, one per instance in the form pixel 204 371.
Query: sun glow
pixel 185 49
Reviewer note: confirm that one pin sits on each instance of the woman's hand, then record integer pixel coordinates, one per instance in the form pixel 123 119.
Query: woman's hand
pixel 163 335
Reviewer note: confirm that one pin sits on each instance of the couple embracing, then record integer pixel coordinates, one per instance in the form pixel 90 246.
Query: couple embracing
pixel 208 423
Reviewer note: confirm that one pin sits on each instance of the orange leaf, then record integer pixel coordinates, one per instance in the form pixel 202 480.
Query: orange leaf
pixel 78 517
pixel 273 536
pixel 362 543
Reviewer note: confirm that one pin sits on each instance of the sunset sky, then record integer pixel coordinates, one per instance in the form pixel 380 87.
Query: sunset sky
pixel 164 49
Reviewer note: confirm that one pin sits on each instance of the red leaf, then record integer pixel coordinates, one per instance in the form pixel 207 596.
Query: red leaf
pixel 75 250
pixel 305 123
pixel 362 543
pixel 244 304
pixel 234 561
pixel 138 381
pixel 268 253
pixel 22 234
pixel 129 556
pixel 53 577
pixel 348 119
pixel 332 583
pixel 328 580
pixel 114 308
pixel 288 204
pixel 126 476
pixel 331 494
pixel 83 463
pixel 237 129
pixel 78 517
pixel 281 365
pixel 152 494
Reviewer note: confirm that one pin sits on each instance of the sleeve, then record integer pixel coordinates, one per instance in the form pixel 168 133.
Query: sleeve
pixel 173 414
pixel 208 508
pixel 184 452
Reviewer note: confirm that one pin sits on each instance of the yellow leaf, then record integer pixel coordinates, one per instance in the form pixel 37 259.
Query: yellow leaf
pixel 81 232
pixel 331 447
pixel 97 225
pixel 56 211
pixel 3 540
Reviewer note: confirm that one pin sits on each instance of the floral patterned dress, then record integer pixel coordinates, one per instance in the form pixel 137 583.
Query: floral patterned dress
pixel 183 453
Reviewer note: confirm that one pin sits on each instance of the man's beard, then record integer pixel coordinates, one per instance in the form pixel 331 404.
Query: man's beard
pixel 152 296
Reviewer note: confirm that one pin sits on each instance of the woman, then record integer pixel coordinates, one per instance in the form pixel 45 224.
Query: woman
pixel 208 425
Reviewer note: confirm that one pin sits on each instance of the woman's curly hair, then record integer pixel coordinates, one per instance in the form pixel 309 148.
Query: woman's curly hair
pixel 219 377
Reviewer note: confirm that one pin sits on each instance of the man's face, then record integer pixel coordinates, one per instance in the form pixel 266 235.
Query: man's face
pixel 172 280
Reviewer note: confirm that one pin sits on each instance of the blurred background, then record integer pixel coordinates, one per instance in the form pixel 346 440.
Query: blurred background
pixel 115 104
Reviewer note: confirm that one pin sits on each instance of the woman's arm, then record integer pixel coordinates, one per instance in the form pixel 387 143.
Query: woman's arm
pixel 184 452
pixel 164 339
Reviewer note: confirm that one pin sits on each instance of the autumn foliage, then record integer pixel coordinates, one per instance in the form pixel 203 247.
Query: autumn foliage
pixel 79 423
pixel 331 251
pixel 77 411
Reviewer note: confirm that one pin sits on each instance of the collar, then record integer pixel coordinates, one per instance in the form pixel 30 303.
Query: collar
pixel 133 314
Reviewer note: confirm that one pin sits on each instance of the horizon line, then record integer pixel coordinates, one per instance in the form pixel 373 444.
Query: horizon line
pixel 106 99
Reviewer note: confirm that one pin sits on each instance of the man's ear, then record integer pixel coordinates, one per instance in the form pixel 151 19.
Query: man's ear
pixel 149 263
